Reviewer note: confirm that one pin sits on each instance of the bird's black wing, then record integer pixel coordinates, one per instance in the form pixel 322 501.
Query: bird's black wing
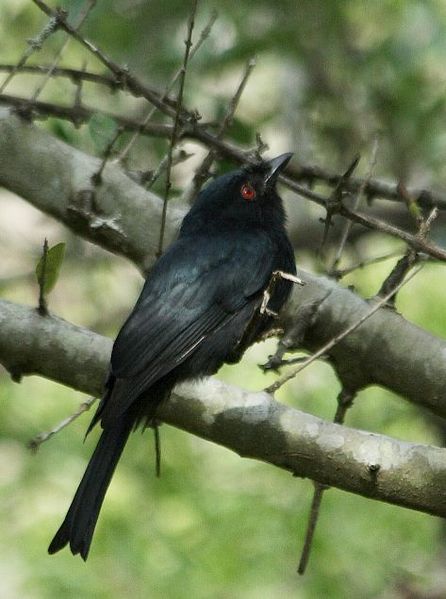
pixel 199 285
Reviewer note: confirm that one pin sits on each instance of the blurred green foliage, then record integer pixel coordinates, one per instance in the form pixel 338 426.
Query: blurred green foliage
pixel 331 75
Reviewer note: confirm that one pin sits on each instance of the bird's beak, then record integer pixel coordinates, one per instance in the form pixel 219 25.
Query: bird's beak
pixel 276 166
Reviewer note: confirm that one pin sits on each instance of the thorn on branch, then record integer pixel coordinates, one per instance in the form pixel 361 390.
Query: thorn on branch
pixel 357 200
pixel 333 203
pixel 83 208
pixel 260 147
pixel 426 224
pixel 397 274
pixel 96 178
pixel 150 177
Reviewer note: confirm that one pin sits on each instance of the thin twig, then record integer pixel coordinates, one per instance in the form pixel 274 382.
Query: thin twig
pixel 337 338
pixel 84 14
pixel 78 89
pixel 426 224
pixel 348 223
pixel 76 75
pixel 340 273
pixel 374 189
pixel 311 526
pixel 333 203
pixel 126 80
pixel 410 258
pixel 149 177
pixel 176 124
pixel 35 443
pixel 34 45
pixel 345 401
pixel 202 172
pixel 370 222
pixel 79 114
pixel 96 179
pixel 203 36
pixel 199 133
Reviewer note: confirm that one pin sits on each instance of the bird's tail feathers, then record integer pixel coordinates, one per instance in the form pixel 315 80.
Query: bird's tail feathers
pixel 79 524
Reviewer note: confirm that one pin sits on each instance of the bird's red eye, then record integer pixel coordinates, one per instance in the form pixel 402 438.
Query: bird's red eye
pixel 248 192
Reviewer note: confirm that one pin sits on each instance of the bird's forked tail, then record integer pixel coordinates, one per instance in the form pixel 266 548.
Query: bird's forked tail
pixel 79 524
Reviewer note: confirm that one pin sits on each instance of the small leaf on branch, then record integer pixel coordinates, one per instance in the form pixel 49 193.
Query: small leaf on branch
pixel 48 267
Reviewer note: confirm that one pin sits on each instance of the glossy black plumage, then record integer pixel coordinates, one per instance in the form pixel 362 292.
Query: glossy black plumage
pixel 199 308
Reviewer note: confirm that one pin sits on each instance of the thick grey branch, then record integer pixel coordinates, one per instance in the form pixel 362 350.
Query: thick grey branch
pixel 251 424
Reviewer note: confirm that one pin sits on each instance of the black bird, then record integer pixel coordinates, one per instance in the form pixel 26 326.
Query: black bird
pixel 202 305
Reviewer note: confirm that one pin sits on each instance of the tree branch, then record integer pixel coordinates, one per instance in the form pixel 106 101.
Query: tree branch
pixel 251 424
pixel 373 188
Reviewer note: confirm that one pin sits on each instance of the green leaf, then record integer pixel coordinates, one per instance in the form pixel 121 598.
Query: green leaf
pixel 102 129
pixel 54 259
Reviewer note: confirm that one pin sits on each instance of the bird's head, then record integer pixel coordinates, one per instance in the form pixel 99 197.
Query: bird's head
pixel 243 197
